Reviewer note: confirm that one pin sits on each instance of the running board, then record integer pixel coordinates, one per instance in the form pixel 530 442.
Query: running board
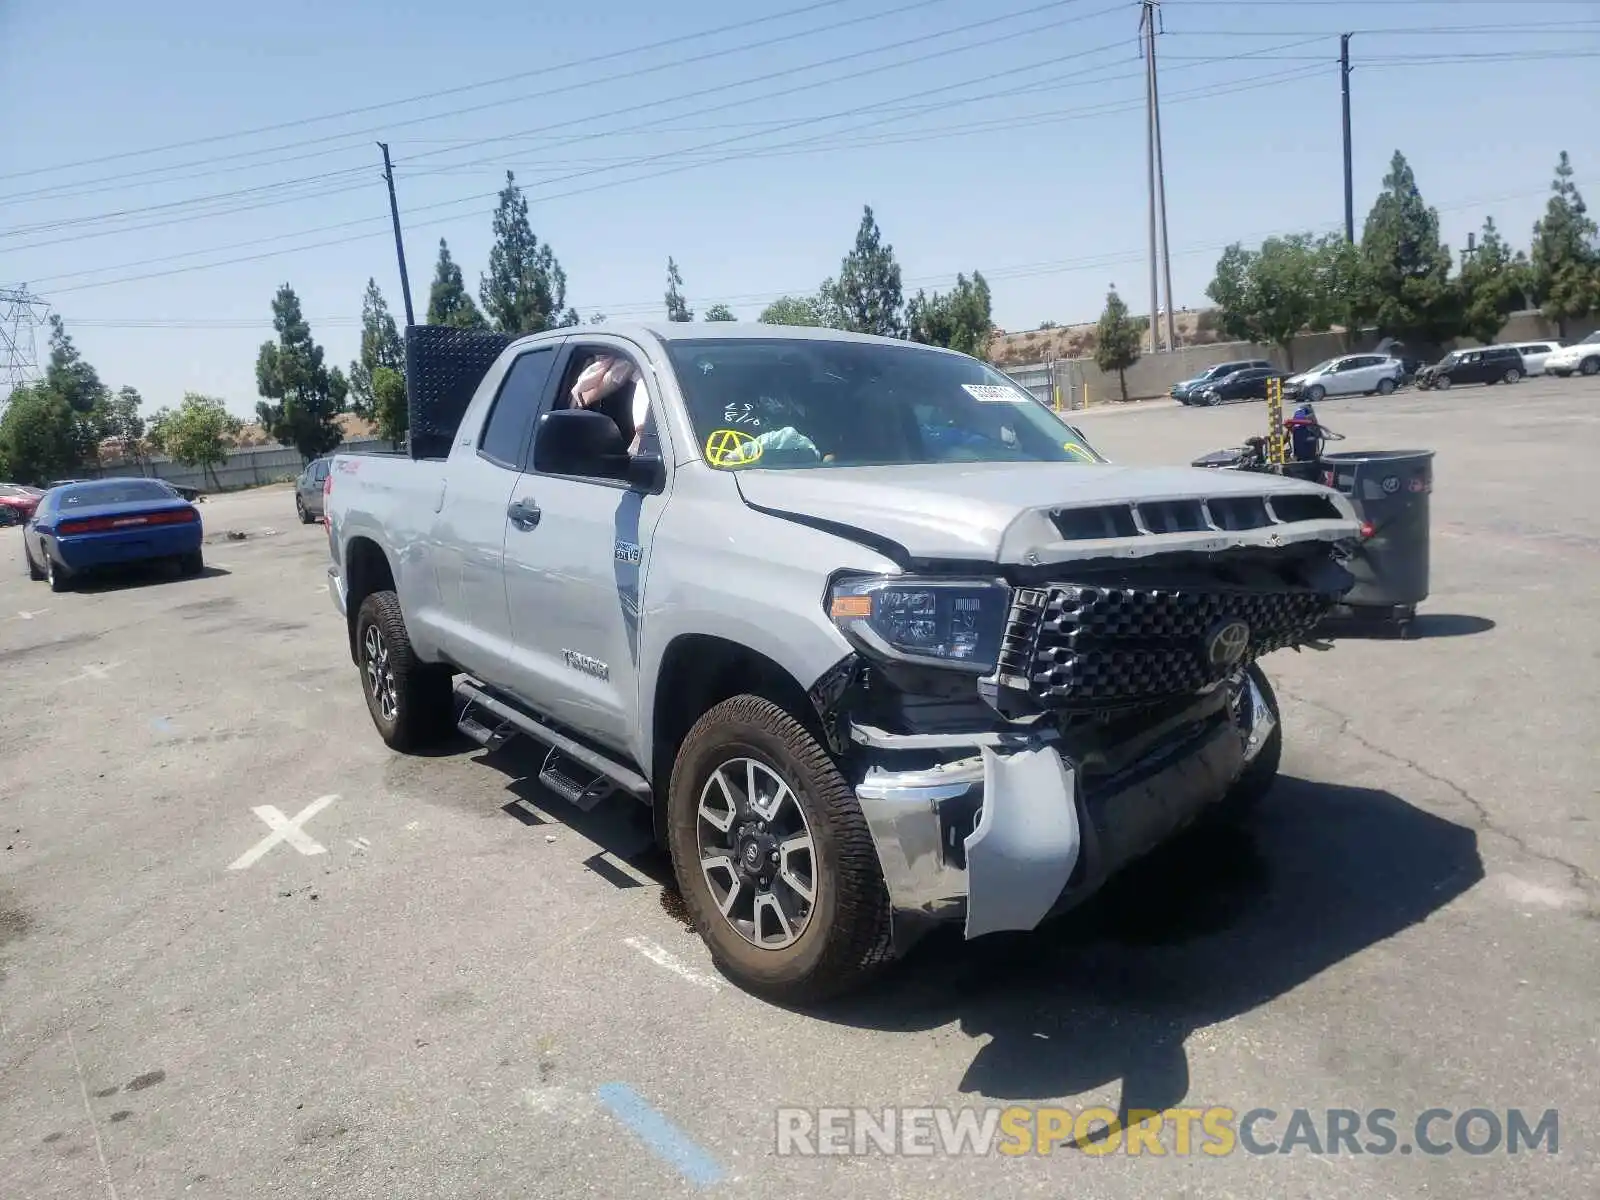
pixel 574 783
pixel 596 763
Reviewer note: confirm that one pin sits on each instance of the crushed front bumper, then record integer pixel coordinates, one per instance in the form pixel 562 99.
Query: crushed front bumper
pixel 1013 834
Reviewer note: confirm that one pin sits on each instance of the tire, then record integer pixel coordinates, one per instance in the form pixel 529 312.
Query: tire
pixel 1589 366
pixel 1442 383
pixel 34 573
pixel 1251 788
pixel 300 511
pixel 1512 375
pixel 414 708
pixel 1385 387
pixel 845 933
pixel 190 565
pixel 1316 393
pixel 60 578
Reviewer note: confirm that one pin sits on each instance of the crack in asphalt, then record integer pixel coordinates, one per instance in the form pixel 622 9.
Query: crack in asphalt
pixel 1581 879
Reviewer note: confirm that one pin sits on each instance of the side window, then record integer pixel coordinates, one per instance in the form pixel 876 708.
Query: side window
pixel 321 471
pixel 612 384
pixel 506 431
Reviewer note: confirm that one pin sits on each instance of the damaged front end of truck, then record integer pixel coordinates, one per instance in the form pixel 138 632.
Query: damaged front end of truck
pixel 1015 740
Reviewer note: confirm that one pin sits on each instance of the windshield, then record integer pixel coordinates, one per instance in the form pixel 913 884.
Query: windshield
pixel 1592 339
pixel 86 495
pixel 793 402
pixel 1321 367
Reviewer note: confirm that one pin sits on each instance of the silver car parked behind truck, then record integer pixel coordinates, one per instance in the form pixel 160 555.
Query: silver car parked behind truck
pixel 881 640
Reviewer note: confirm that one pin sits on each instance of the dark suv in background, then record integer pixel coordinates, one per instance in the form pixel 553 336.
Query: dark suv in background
pixel 1188 392
pixel 308 490
pixel 1486 365
pixel 1248 384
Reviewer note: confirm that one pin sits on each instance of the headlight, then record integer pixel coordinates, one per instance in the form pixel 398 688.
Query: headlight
pixel 940 622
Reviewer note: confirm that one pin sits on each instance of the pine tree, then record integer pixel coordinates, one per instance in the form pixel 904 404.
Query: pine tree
pixel 1117 339
pixel 525 289
pixel 380 347
pixel 1491 283
pixel 961 320
pixel 867 296
pixel 1565 259
pixel 1406 267
pixel 291 372
pixel 677 307
pixel 448 301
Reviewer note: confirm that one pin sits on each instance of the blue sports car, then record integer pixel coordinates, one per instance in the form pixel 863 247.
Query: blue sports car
pixel 108 523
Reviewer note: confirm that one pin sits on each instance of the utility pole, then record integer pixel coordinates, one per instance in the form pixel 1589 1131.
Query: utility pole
pixel 399 246
pixel 1349 185
pixel 1161 186
pixel 1147 37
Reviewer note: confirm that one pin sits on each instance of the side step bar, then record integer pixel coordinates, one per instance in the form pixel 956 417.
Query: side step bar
pixel 560 781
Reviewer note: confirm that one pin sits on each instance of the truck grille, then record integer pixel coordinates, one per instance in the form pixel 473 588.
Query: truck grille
pixel 1085 646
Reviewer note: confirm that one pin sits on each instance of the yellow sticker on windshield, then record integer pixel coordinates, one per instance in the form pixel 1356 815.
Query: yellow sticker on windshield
pixel 732 448
pixel 1077 451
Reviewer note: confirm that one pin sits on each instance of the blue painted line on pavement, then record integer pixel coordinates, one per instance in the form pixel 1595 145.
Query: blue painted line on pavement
pixel 665 1140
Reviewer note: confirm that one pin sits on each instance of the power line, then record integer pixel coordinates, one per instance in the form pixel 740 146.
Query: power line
pixel 675 64
pixel 655 104
pixel 833 138
pixel 452 91
pixel 873 71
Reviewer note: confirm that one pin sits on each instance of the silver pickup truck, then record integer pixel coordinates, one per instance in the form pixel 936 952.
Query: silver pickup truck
pixel 882 641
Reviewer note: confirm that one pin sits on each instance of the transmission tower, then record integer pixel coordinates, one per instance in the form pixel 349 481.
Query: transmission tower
pixel 21 315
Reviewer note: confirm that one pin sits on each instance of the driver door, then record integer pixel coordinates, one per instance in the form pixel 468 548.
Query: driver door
pixel 575 574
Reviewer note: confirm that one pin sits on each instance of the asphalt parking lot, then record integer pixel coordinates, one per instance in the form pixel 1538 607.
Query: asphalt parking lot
pixel 246 951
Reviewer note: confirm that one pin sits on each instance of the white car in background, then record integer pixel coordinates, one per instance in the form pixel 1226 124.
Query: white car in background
pixel 1351 375
pixel 1582 357
pixel 1533 354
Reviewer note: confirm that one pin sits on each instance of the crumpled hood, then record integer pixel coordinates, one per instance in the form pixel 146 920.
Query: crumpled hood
pixel 1001 512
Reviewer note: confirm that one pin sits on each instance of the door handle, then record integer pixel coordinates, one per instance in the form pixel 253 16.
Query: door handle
pixel 524 514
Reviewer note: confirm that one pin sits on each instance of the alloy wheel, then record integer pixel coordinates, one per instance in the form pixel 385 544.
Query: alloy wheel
pixel 380 677
pixel 756 853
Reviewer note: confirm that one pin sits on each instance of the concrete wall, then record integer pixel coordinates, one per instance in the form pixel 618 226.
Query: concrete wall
pixel 247 467
pixel 1079 381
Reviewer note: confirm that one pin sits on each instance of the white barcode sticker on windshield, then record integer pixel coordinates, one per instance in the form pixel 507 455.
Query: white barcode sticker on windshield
pixel 990 393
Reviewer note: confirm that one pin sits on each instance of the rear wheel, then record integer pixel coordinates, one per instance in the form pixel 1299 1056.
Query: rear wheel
pixel 1512 375
pixel 60 578
pixel 773 857
pixel 192 564
pixel 411 702
pixel 1385 387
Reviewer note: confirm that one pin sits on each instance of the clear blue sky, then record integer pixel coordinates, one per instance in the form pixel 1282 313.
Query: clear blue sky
pixel 1041 188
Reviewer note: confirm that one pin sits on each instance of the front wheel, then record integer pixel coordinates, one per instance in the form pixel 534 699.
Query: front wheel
pixel 773 857
pixel 1257 718
pixel 1442 383
pixel 411 702
pixel 300 511
pixel 1316 393
pixel 1385 387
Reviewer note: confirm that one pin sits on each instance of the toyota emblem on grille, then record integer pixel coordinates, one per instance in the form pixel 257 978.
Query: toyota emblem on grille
pixel 1226 643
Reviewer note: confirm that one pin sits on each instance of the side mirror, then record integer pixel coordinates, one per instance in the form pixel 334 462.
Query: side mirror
pixel 579 441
